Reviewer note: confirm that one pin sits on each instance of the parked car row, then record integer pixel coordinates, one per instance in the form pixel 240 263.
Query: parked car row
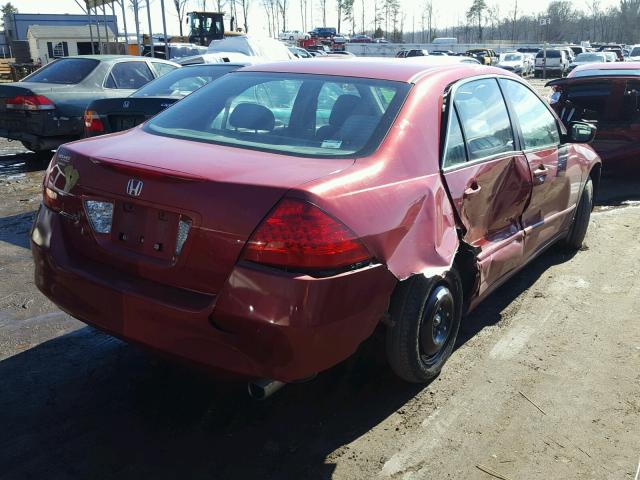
pixel 47 108
pixel 256 226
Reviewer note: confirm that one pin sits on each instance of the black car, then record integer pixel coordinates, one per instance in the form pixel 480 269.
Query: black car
pixel 111 115
pixel 46 109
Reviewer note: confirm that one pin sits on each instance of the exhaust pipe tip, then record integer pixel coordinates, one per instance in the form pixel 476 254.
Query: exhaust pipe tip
pixel 263 388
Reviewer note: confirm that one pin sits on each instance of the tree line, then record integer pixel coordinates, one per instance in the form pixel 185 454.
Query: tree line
pixel 483 21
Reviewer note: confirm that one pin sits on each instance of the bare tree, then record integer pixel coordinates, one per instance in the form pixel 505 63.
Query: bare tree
pixel 244 6
pixel 303 14
pixel 180 5
pixel 282 5
pixel 428 15
pixel 323 5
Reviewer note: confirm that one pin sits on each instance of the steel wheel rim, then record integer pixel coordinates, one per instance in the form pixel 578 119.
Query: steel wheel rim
pixel 436 324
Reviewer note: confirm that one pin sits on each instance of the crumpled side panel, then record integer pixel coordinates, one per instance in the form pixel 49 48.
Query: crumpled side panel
pixel 395 200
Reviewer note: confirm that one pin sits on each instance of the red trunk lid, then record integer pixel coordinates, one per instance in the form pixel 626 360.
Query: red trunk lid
pixel 223 192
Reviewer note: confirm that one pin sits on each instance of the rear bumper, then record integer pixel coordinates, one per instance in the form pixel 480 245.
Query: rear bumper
pixel 43 130
pixel 264 323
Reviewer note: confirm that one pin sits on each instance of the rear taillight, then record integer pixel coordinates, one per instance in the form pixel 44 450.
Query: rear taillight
pixel 299 235
pixel 93 122
pixel 29 102
pixel 51 199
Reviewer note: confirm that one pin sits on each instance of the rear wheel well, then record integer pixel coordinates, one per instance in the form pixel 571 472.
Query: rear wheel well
pixel 466 265
pixel 594 174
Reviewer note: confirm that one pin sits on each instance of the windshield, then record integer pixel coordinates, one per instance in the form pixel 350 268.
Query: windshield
pixel 66 71
pixel 590 57
pixel 511 57
pixel 635 52
pixel 296 114
pixel 183 81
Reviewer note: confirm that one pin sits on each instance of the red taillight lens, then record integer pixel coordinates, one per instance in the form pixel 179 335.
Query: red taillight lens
pixel 29 102
pixel 297 234
pixel 92 122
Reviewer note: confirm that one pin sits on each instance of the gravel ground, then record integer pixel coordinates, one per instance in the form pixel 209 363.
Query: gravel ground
pixel 544 383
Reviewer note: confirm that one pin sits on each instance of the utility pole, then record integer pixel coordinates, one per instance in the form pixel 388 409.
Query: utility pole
pixel 126 34
pixel 164 30
pixel 153 47
pixel 93 52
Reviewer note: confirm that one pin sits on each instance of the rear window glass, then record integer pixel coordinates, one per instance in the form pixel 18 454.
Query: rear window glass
pixel 66 71
pixel 635 52
pixel 297 114
pixel 607 73
pixel 590 57
pixel 183 81
pixel 550 54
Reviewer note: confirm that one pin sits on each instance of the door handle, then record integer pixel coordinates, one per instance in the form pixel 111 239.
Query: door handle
pixel 472 189
pixel 540 175
pixel 541 171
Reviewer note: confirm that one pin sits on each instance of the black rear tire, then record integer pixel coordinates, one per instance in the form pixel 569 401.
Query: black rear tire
pixel 425 319
pixel 39 159
pixel 578 229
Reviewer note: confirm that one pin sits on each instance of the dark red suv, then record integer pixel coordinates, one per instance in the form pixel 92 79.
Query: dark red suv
pixel 269 222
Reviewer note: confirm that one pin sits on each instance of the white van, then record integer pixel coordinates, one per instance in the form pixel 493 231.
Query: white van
pixel 557 63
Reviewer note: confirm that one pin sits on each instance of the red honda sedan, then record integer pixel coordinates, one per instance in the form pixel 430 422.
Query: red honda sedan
pixel 269 222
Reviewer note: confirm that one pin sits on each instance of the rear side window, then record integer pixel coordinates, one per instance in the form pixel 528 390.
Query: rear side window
pixel 66 71
pixel 538 125
pixel 163 68
pixel 484 118
pixel 129 75
pixel 454 153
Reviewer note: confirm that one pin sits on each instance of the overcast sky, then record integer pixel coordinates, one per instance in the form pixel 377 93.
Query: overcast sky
pixel 448 12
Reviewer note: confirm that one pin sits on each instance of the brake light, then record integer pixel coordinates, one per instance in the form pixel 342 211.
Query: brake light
pixel 92 122
pixel 297 234
pixel 29 102
pixel 51 199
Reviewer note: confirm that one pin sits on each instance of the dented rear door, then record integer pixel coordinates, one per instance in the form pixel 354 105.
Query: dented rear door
pixel 487 178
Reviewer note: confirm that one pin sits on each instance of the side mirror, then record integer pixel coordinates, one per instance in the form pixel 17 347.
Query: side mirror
pixel 581 132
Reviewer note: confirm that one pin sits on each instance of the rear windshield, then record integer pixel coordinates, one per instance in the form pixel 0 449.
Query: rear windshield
pixel 550 54
pixel 635 52
pixel 607 73
pixel 65 71
pixel 183 81
pixel 590 57
pixel 296 114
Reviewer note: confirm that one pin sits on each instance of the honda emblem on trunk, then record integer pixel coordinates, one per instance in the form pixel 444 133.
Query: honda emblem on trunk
pixel 134 187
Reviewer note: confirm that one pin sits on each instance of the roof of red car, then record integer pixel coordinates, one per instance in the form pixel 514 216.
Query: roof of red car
pixel 396 69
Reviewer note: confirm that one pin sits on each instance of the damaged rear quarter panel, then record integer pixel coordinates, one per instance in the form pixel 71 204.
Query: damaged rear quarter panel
pixel 395 199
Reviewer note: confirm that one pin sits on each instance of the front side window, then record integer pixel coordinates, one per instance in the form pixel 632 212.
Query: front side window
pixel 538 125
pixel 296 114
pixel 129 75
pixel 484 118
pixel 183 81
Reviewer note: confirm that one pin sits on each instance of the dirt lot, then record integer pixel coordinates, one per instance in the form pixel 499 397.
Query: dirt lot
pixel 544 384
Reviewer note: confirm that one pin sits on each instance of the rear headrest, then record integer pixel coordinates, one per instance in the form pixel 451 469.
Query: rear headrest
pixel 342 108
pixel 252 116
